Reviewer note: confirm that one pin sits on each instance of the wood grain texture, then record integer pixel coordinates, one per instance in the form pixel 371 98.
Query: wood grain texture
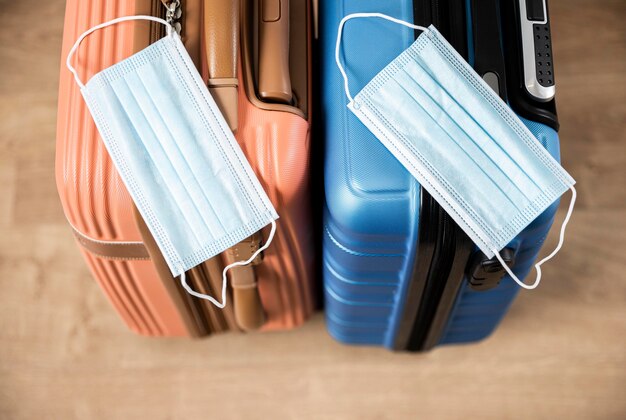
pixel 560 353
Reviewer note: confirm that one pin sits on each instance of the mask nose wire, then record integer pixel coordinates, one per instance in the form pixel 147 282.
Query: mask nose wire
pixel 552 254
pixel 183 280
pixel 88 32
pixel 357 16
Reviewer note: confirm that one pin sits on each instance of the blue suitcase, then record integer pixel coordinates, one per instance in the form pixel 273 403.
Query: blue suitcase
pixel 398 272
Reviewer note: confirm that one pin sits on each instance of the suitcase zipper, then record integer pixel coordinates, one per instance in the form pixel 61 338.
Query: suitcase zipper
pixel 208 318
pixel 443 248
pixel 173 13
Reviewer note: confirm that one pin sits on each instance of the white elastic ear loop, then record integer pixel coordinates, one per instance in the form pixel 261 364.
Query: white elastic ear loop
pixel 364 15
pixel 88 32
pixel 552 254
pixel 192 292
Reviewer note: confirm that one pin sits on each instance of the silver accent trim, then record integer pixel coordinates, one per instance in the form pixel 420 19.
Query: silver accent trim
pixel 541 93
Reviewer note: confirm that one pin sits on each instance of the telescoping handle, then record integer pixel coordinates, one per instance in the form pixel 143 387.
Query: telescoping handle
pixel 274 78
pixel 221 43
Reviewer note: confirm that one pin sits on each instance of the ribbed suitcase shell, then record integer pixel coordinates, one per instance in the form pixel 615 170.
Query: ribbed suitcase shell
pixel 94 198
pixel 372 203
pixel 277 145
pixel 97 204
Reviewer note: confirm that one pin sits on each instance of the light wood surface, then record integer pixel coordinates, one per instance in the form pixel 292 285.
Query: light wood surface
pixel 559 354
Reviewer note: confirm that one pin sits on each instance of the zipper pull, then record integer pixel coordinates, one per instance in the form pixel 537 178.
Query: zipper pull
pixel 173 14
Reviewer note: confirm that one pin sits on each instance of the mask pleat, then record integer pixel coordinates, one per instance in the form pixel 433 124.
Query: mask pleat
pixel 162 109
pixel 230 183
pixel 437 64
pixel 459 148
pixel 476 139
pixel 159 160
pixel 231 180
pixel 445 155
pixel 223 179
pixel 135 167
pixel 176 155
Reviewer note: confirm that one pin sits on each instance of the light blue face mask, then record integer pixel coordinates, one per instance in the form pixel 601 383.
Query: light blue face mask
pixel 176 155
pixel 460 141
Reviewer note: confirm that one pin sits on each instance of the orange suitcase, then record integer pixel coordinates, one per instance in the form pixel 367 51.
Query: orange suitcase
pixel 278 291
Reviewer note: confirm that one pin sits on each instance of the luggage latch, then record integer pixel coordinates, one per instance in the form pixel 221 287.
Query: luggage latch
pixel 485 273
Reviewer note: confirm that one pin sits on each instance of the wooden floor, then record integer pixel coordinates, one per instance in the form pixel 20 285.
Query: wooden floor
pixel 560 354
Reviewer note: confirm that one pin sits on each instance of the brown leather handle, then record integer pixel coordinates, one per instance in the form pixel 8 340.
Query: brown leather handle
pixel 274 78
pixel 247 305
pixel 192 30
pixel 221 42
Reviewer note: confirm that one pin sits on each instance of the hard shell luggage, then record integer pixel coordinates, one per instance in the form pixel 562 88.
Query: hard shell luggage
pixel 398 272
pixel 277 292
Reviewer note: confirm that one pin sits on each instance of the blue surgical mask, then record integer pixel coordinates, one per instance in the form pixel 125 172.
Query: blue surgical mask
pixel 460 141
pixel 176 154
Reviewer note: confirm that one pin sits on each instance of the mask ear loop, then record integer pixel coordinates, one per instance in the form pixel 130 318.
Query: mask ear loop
pixel 552 254
pixel 183 279
pixel 357 16
pixel 88 32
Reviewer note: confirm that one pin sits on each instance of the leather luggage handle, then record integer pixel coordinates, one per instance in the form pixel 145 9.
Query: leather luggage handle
pixel 111 250
pixel 221 45
pixel 247 305
pixel 274 77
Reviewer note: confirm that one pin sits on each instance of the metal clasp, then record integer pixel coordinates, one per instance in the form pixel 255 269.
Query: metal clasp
pixel 173 14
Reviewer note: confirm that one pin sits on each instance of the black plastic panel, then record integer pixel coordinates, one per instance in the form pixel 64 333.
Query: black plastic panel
pixel 485 273
pixel 488 54
pixel 543 54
